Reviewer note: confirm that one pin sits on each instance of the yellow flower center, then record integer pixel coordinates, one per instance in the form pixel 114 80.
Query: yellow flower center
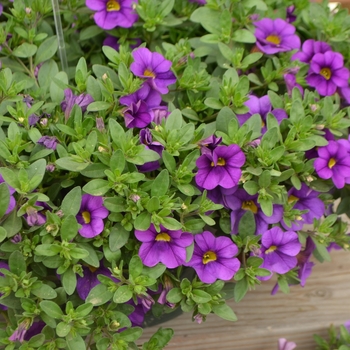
pixel 86 217
pixel 220 162
pixel 149 73
pixel 292 199
pixel 208 257
pixel 249 205
pixel 331 163
pixel 163 237
pixel 273 39
pixel 92 268
pixel 271 249
pixel 112 5
pixel 326 73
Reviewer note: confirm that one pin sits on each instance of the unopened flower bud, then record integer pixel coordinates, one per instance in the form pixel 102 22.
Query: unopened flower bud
pixel 50 168
pixel 135 197
pixel 28 10
pixel 104 77
pixel 100 124
pixel 44 121
pixel 102 149
pixel 313 107
pixel 183 206
pixel 114 325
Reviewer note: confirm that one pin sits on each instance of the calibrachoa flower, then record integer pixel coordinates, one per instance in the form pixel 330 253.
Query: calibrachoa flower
pixel 290 16
pixel 167 247
pixel 82 100
pixel 209 144
pixel 12 202
pixel 137 115
pixel 279 250
pixel 48 141
pixel 222 167
pixel 333 162
pixel 275 35
pixel 304 263
pixel 291 82
pixel 283 344
pixel 213 257
pixel 113 13
pixel 327 73
pixel 305 199
pixel 91 215
pixel 153 67
pixel 19 333
pixel 240 201
pixel 309 49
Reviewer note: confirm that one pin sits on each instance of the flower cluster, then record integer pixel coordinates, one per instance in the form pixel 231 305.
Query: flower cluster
pixel 154 152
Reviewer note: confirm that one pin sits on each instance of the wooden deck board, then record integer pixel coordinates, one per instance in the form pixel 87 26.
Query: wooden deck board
pixel 263 319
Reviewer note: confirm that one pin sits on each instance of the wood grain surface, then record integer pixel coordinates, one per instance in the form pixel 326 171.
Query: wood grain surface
pixel 263 319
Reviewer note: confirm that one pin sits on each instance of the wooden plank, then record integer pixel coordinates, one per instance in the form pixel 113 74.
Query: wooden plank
pixel 263 319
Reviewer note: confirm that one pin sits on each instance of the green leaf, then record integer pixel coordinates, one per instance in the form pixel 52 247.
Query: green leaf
pixel 223 119
pixel 3 234
pixel 200 296
pixel 51 309
pixel 99 295
pixel 118 237
pixel 46 50
pixel 62 329
pixel 69 281
pixel 71 202
pixel 224 311
pixel 69 228
pixel 241 289
pixel 17 263
pixel 92 259
pixel 131 334
pixel 244 36
pixel 4 198
pixel 171 224
pixel 174 295
pixel 160 184
pixel 174 120
pixel 135 266
pixel 297 112
pixel 12 224
pixel 143 221
pixel 161 337
pixel 90 32
pixel 68 163
pixel 265 179
pixel 155 271
pixel 98 106
pixel 44 292
pixel 247 225
pixel 25 50
pixel 97 187
pixel 117 161
pixel 117 132
pixel 36 172
pixel 122 295
pixel 75 342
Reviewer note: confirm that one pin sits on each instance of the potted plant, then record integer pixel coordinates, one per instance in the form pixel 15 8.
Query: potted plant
pixel 162 155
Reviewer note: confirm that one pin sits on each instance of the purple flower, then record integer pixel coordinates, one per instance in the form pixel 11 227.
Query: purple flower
pixel 279 250
pixel 48 142
pixel 91 215
pixel 34 329
pixel 34 218
pixel 146 94
pixel 305 199
pixel 137 115
pixel 146 139
pixel 113 13
pixel 90 280
pixel 275 35
pixel 304 263
pixel 153 67
pixel 327 73
pixel 220 168
pixel 168 285
pixel 261 106
pixel 200 2
pixel 3 265
pixel 333 162
pixel 111 41
pixel 290 16
pixel 159 113
pixel 209 144
pixel 167 247
pixel 291 82
pixel 12 202
pixel 240 201
pixel 283 344
pixel 82 100
pixel 19 333
pixel 309 49
pixel 213 257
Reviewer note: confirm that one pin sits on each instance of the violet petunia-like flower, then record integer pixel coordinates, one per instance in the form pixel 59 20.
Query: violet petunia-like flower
pixel 309 49
pixel 275 35
pixel 3 265
pixel 34 329
pixel 147 140
pixel 82 100
pixel 20 332
pixel 153 67
pixel 290 16
pixel 333 162
pixel 283 344
pixel 113 13
pixel 200 2
pixel 291 83
pixel 304 263
pixel 49 142
pixel 12 202
pixel 305 199
pixel 34 218
pixel 208 144
pixel 91 215
pixel 222 167
pixel 279 250
pixel 327 73
pixel 167 247
pixel 137 115
pixel 213 258
pixel 240 201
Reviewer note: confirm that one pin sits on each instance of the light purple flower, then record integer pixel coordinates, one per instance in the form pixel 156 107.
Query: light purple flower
pixel 20 332
pixel 12 202
pixel 279 250
pixel 333 162
pixel 153 67
pixel 291 82
pixel 222 167
pixel 113 13
pixel 168 285
pixel 200 2
pixel 275 35
pixel 213 257
pixel 82 100
pixel 327 73
pixel 167 247
pixel 91 215
pixel 309 49
pixel 49 142
pixel 283 344
pixel 240 201
pixel 305 199
pixel 159 113
pixel 304 263
pixel 33 217
pixel 147 140
pixel 290 16
pixel 208 144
